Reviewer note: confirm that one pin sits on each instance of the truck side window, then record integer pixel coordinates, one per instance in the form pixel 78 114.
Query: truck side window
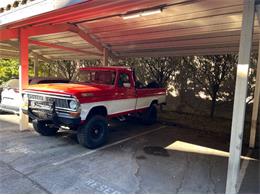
pixel 123 78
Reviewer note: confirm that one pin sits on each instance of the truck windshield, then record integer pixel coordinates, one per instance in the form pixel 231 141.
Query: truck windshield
pixel 97 77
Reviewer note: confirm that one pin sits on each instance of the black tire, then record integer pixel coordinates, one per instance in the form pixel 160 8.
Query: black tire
pixel 149 117
pixel 2 112
pixel 43 128
pixel 94 133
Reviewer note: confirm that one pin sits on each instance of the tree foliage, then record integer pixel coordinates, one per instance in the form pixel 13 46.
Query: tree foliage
pixel 209 77
pixel 8 69
pixel 160 69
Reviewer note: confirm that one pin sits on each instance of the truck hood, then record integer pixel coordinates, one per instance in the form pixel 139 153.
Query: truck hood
pixel 72 89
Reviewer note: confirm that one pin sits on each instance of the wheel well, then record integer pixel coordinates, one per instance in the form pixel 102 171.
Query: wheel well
pixel 155 102
pixel 98 110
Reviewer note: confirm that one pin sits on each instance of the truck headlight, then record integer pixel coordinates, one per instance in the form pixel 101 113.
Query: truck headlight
pixel 25 97
pixel 73 104
pixel 25 102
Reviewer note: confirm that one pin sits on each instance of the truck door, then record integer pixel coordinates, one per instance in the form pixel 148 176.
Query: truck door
pixel 126 91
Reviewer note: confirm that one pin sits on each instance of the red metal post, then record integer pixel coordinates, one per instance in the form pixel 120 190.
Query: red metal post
pixel 23 72
pixel 24 58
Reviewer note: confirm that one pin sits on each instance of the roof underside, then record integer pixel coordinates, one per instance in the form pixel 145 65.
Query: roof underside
pixel 185 27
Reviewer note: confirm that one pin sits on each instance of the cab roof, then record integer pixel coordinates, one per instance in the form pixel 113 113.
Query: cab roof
pixel 109 68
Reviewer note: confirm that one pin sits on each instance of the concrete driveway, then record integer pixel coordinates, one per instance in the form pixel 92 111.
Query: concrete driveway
pixel 137 159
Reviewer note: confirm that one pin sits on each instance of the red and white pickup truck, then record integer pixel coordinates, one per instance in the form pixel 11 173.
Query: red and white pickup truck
pixel 99 94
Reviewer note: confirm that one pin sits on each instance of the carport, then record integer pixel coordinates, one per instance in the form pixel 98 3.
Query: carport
pixel 117 29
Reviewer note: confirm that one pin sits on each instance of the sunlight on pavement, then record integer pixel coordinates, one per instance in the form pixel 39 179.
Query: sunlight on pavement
pixel 11 118
pixel 187 147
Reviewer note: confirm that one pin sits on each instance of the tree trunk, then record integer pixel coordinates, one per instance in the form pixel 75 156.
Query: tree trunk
pixel 213 105
pixel 183 86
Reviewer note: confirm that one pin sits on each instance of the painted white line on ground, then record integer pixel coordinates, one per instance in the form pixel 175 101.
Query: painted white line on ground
pixel 106 146
pixel 243 170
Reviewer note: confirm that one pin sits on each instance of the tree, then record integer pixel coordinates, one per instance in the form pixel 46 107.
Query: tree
pixel 159 69
pixel 252 78
pixel 9 68
pixel 210 72
pixel 182 82
pixel 89 63
pixel 67 68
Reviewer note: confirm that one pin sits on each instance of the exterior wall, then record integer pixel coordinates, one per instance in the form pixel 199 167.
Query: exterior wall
pixel 197 106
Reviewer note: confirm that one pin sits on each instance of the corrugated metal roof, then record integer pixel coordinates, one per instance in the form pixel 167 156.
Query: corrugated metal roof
pixel 184 27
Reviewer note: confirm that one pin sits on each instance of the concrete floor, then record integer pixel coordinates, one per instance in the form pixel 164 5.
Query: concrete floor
pixel 137 159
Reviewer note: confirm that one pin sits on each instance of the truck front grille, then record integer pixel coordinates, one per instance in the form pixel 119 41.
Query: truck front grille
pixel 39 99
pixel 35 97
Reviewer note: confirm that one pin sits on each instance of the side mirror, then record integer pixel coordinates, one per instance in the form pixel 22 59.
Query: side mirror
pixel 127 85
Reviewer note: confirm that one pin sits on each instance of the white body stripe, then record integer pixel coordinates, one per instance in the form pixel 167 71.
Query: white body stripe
pixel 144 102
pixel 123 105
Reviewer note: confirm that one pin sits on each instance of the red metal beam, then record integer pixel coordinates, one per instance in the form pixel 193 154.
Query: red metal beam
pixel 48 29
pixel 86 37
pixel 7 34
pixel 44 44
